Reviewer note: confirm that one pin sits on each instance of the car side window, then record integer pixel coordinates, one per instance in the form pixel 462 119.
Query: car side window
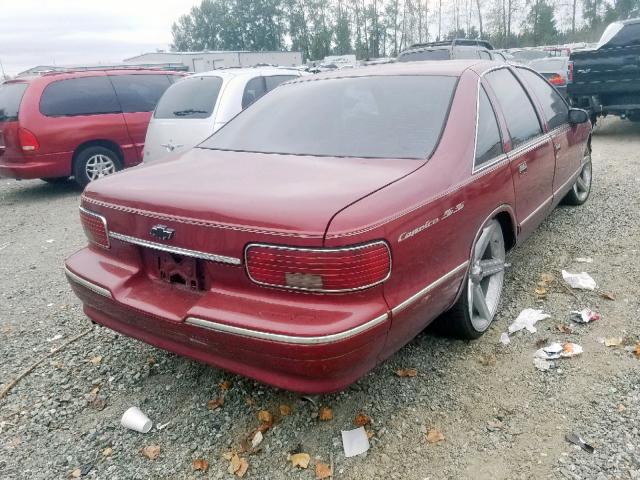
pixel 274 80
pixel 466 53
pixel 553 106
pixel 254 89
pixel 488 141
pixel 519 114
pixel 79 96
pixel 139 93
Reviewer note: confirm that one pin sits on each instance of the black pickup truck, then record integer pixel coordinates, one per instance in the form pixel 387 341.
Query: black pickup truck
pixel 606 80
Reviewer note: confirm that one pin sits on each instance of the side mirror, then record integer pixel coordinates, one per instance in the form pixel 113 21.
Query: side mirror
pixel 577 115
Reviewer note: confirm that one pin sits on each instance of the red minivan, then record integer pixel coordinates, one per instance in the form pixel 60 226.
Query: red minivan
pixel 85 124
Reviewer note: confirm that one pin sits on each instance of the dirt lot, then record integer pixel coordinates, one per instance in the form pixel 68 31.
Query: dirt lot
pixel 500 417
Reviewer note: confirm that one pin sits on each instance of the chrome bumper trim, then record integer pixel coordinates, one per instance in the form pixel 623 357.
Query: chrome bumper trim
pixel 87 284
pixel 417 296
pixel 276 337
pixel 177 250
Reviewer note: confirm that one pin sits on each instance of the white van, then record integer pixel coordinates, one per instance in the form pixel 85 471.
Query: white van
pixel 195 107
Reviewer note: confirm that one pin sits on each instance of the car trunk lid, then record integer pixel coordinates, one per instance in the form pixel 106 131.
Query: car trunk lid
pixel 174 135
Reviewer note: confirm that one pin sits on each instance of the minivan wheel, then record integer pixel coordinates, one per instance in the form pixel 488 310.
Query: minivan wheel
pixel 93 163
pixel 55 180
pixel 476 308
pixel 581 189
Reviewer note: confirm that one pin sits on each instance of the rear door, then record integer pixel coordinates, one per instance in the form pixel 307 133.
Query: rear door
pixel 11 94
pixel 138 95
pixel 531 155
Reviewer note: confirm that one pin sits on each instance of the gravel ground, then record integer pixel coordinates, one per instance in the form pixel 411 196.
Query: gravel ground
pixel 500 417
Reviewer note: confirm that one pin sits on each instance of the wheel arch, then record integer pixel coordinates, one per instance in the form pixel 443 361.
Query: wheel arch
pixel 108 144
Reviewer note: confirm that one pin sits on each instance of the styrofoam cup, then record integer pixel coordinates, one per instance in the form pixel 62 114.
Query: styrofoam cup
pixel 134 419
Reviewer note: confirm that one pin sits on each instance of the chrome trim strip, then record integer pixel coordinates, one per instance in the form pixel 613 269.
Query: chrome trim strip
pixel 322 250
pixel 177 250
pixel 87 284
pixel 277 337
pixel 546 203
pixel 415 297
pixel 104 222
pixel 571 181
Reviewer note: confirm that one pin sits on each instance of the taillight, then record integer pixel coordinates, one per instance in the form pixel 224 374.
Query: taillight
pixel 556 80
pixel 570 72
pixel 95 228
pixel 28 141
pixel 319 269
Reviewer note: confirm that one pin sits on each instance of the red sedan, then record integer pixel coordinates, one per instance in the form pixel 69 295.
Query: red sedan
pixel 333 220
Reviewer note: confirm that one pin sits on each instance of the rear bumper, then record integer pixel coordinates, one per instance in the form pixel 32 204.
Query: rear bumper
pixel 321 362
pixel 40 166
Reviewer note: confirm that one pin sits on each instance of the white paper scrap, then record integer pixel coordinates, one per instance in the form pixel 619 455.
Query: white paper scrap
pixel 355 442
pixel 527 319
pixel 579 280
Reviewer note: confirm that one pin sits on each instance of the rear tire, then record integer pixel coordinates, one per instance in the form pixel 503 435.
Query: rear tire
pixel 93 163
pixel 55 180
pixel 476 308
pixel 581 189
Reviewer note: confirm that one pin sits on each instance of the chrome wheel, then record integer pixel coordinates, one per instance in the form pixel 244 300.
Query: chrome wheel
pixel 486 276
pixel 99 166
pixel 582 187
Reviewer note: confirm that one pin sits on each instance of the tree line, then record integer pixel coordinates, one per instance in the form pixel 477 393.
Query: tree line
pixel 381 28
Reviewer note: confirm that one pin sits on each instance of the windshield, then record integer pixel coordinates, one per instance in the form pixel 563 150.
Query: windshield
pixel 418 55
pixel 10 98
pixel 192 97
pixel 374 117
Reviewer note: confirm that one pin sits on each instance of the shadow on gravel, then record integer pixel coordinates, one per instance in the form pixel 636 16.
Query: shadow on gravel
pixel 32 191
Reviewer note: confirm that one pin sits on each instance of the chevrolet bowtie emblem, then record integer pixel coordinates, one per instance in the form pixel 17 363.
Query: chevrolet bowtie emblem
pixel 162 232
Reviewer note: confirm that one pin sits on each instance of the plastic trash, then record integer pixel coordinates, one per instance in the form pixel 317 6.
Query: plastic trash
pixel 504 338
pixel 355 442
pixel 579 280
pixel 527 319
pixel 585 315
pixel 542 364
pixel 134 419
pixel 577 440
pixel 557 350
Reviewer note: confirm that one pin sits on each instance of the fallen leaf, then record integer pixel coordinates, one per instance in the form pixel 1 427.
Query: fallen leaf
pixel 227 455
pixel 285 410
pixel 96 360
pixel 244 466
pixel 300 460
pixel 151 360
pixel 76 473
pixel 434 436
pixel 226 385
pixel 370 433
pixel 107 452
pixel 563 328
pixel 151 451
pixel 215 403
pixel 325 414
pixel 361 420
pixel 238 465
pixel 265 417
pixel 488 360
pixel 636 350
pixel 621 408
pixel 406 372
pixel 541 292
pixel 200 464
pixel 95 390
pixel 607 296
pixel 257 439
pixel 547 278
pixel 322 471
pixel 613 342
pixel 263 427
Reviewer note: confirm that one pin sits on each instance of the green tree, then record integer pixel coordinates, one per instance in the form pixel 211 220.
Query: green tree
pixel 539 27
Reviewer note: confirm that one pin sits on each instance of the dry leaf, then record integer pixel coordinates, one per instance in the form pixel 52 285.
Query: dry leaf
pixel 76 473
pixel 325 414
pixel 263 427
pixel 607 296
pixel 265 417
pixel 107 452
pixel 564 328
pixel 636 350
pixel 300 460
pixel 361 420
pixel 613 342
pixel 285 410
pixel 151 451
pixel 96 360
pixel 238 465
pixel 434 436
pixel 322 471
pixel 200 464
pixel 547 278
pixel 215 403
pixel 370 434
pixel 488 360
pixel 151 360
pixel 226 385
pixel 621 408
pixel 541 292
pixel 244 466
pixel 406 372
pixel 95 390
pixel 256 439
pixel 227 455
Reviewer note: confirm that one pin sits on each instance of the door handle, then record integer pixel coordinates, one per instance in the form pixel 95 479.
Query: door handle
pixel 522 168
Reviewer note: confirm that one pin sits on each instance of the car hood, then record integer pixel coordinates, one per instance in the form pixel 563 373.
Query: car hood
pixel 282 193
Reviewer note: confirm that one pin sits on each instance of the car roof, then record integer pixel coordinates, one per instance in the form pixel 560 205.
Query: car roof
pixel 236 72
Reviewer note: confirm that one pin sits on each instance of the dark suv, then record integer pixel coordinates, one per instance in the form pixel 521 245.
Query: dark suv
pixel 451 50
pixel 84 124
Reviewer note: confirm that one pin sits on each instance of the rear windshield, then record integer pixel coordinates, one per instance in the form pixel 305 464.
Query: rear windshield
pixel 10 98
pixel 375 117
pixel 549 64
pixel 620 35
pixel 437 54
pixel 192 97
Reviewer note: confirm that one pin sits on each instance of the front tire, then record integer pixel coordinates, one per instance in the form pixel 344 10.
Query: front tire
pixel 581 189
pixel 93 163
pixel 476 308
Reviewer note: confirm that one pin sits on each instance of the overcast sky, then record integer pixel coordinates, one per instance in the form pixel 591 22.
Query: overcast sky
pixel 61 32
